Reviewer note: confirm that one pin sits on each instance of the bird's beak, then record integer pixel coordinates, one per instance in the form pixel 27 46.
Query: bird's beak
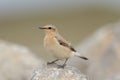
pixel 42 28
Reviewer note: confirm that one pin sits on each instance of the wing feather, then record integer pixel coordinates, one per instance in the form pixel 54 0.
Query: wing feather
pixel 64 43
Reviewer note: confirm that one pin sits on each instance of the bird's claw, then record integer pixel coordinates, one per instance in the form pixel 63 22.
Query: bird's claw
pixel 62 66
pixel 48 63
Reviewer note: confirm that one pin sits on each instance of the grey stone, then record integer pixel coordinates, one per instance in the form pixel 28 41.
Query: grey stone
pixel 16 62
pixel 103 50
pixel 53 73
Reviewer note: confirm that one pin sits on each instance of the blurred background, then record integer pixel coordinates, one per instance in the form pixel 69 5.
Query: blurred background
pixel 20 19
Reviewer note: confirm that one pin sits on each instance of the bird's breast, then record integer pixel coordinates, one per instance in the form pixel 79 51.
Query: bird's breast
pixel 50 42
pixel 57 50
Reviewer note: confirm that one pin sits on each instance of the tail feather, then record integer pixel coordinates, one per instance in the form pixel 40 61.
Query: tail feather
pixel 82 57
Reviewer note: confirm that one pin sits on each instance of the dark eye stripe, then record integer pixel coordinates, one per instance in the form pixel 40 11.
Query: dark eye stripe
pixel 49 28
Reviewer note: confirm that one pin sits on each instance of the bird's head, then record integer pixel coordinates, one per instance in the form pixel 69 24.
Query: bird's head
pixel 49 28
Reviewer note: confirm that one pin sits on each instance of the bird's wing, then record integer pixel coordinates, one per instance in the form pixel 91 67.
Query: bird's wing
pixel 64 42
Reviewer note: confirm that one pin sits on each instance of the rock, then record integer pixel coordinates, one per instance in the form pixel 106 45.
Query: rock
pixel 16 62
pixel 103 50
pixel 53 73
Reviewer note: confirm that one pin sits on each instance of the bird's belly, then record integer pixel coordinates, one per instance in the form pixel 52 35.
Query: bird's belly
pixel 59 51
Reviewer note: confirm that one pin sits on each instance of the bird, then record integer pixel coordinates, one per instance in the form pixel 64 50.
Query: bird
pixel 57 46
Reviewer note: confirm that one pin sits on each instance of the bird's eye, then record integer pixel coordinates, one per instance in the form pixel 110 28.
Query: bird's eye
pixel 49 28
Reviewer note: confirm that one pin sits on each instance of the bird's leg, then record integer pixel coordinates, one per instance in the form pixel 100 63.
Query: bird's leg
pixel 52 62
pixel 62 66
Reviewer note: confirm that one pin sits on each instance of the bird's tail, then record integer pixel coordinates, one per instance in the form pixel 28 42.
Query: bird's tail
pixel 82 57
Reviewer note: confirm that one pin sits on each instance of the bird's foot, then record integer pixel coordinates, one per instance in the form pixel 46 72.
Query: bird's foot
pixel 62 66
pixel 52 62
pixel 48 63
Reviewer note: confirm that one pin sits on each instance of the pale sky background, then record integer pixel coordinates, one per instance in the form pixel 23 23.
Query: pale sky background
pixel 18 8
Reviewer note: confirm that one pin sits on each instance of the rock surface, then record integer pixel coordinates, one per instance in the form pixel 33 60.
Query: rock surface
pixel 53 73
pixel 16 62
pixel 103 51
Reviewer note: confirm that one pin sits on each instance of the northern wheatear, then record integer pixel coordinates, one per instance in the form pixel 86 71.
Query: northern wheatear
pixel 58 46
